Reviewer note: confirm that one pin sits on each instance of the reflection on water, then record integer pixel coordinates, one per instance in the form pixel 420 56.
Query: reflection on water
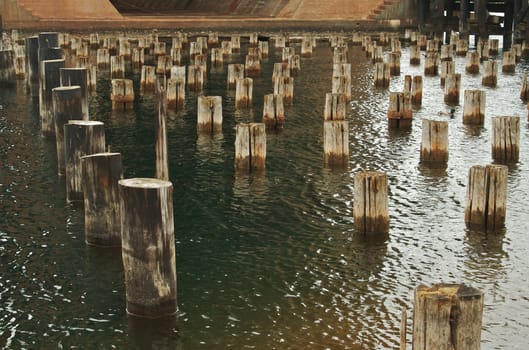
pixel 264 260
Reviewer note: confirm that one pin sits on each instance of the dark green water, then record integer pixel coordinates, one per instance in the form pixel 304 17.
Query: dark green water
pixel 264 261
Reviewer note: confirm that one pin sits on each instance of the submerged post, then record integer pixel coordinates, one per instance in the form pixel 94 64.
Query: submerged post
pixel 273 111
pixel 250 146
pixel 486 197
pixel 209 114
pixel 506 138
pixel 400 112
pixel 148 246
pixel 100 175
pixel 370 209
pixel 474 107
pixel 336 142
pixel 244 93
pixel 447 316
pixel 434 144
pixel 81 137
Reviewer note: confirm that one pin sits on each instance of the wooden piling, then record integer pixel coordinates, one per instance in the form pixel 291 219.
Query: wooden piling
pixel 506 138
pixel 416 91
pixel 103 58
pixel 226 48
pixel 508 62
pixel 32 61
pixel 67 105
pixel 447 316
pixel 335 107
pixel 447 53
pixel 163 65
pixel 431 64
pixel 273 111
pixel 285 86
pixel 216 57
pixel 294 62
pixel 250 147
pixel 452 89
pixel 252 65
pixel 494 45
pixel 306 46
pixel 490 73
pixel 399 113
pixel 160 131
pixel 148 247
pixel 407 84
pixel 474 107
pixel 148 78
pixel 102 215
pixel 461 47
pixel 370 202
pixel 434 144
pixel 281 69
pixel 447 67
pixel 524 90
pixel 235 72
pixel 336 142
pixel 137 58
pixel 81 137
pixel 176 56
pixel 117 67
pixel 472 64
pixel 486 197
pixel 122 94
pixel 209 114
pixel 394 63
pixel 49 79
pixel 483 51
pixel 7 68
pixel 244 93
pixel 382 75
pixel 236 43
pixel 378 54
pixel 176 93
pixel 77 77
pixel 415 55
pixel 264 48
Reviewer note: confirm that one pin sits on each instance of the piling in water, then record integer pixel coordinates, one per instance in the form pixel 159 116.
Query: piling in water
pixel 160 132
pixel 81 138
pixel 285 86
pixel 195 78
pixel 102 216
pixel 49 79
pixel 148 78
pixel 524 90
pixel 447 316
pixel 394 63
pixel 176 93
pixel 508 62
pixel 77 77
pixel 117 67
pixel 415 55
pixel 370 202
pixel 103 58
pixel 244 93
pixel 474 107
pixel 67 105
pixel 235 72
pixel 434 142
pixel 472 64
pixel 452 89
pixel 273 111
pixel 122 94
pixel 7 68
pixel 209 114
pixel 494 45
pixel 416 91
pixel 431 64
pixel 506 138
pixel 250 147
pixel 148 247
pixel 486 197
pixel 335 106
pixel 490 73
pixel 336 142
pixel 400 113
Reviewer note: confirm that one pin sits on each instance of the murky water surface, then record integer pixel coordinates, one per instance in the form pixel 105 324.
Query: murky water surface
pixel 267 261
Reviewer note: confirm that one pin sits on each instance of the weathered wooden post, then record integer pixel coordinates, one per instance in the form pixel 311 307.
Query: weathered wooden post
pixel 494 45
pixel 400 113
pixel 508 62
pixel 67 105
pixel 434 143
pixel 447 316
pixel 49 79
pixel 176 56
pixel 472 64
pixel 81 137
pixel 235 72
pixel 461 47
pixel 483 50
pixel 250 147
pixel 7 68
pixel 102 215
pixel 254 39
pixel 285 86
pixel 486 197
pixel 452 88
pixel 517 50
pixel 273 111
pixel 148 78
pixel 474 107
pixel 431 64
pixel 195 78
pixel 252 65
pixel 281 69
pixel 370 202
pixel 378 54
pixel 407 83
pixel 163 65
pixel 117 67
pixel 294 62
pixel 394 63
pixel 382 74
pixel 213 38
pixel 148 246
pixel 336 142
pixel 335 107
pixel 77 77
pixel 244 93
pixel 32 61
pixel 490 73
pixel 236 43
pixel 217 58
pixel 137 58
pixel 103 58
pixel 306 46
pixel 264 48
pixel 176 93
pixel 160 131
pixel 209 114
pixel 280 42
pixel 447 52
pixel 20 61
pixel 524 90
pixel 122 95
pixel 506 138
pixel 447 67
pixel 226 48
pixel 415 55
pixel 416 91
pixel 48 40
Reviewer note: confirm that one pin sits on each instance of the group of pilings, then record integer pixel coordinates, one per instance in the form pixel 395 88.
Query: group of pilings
pixel 154 196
